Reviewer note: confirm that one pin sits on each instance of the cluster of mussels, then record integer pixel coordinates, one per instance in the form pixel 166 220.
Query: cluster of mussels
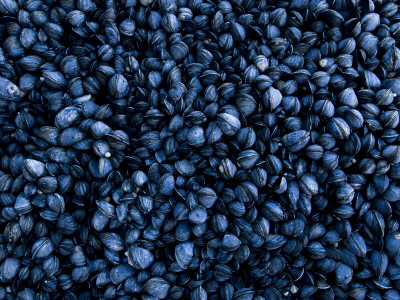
pixel 199 149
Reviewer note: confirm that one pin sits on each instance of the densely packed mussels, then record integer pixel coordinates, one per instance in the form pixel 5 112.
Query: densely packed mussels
pixel 199 149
